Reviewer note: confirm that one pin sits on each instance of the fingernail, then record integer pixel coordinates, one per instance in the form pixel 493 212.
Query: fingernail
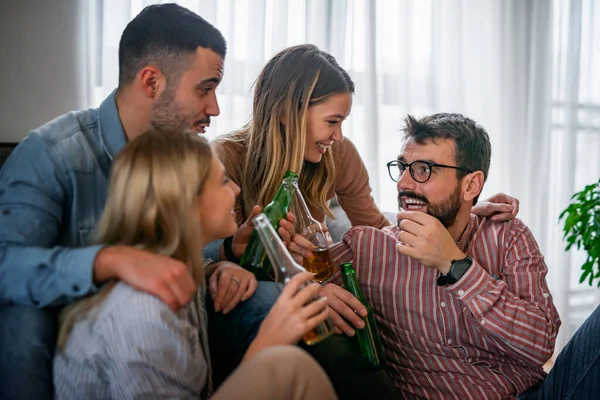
pixel 364 312
pixel 350 332
pixel 360 324
pixel 510 208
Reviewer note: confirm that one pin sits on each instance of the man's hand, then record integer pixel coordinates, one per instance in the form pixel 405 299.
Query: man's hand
pixel 343 304
pixel 502 207
pixel 168 279
pixel 425 239
pixel 229 284
pixel 242 236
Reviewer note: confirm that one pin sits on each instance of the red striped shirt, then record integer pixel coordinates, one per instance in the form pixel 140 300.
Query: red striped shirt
pixel 485 337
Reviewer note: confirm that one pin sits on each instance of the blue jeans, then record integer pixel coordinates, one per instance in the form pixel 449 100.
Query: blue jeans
pixel 27 339
pixel 576 372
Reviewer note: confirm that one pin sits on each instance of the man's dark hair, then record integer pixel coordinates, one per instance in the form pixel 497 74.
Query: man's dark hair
pixel 473 149
pixel 165 35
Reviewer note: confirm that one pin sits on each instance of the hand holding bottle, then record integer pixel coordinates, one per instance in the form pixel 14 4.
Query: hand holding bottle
pixel 342 308
pixel 242 236
pixel 292 316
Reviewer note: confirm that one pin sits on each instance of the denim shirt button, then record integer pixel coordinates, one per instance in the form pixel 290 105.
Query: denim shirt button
pixel 75 288
pixel 6 211
pixel 35 302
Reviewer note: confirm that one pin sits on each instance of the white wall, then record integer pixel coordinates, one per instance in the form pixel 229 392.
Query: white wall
pixel 42 63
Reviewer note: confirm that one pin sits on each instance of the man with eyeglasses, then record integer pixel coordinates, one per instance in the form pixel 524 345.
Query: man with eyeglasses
pixel 462 303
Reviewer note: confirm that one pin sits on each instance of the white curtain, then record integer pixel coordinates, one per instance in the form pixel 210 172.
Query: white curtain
pixel 524 69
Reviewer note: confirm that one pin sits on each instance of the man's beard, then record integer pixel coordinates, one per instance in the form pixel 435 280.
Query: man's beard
pixel 168 115
pixel 445 211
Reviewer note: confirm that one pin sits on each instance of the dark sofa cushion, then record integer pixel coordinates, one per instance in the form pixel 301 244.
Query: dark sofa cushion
pixel 5 150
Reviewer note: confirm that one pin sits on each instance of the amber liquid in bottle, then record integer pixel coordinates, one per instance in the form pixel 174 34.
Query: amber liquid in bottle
pixel 319 263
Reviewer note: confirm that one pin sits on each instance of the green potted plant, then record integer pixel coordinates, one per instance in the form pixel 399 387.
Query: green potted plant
pixel 582 229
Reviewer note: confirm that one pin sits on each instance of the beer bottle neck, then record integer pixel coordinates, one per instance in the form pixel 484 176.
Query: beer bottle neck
pixel 283 196
pixel 279 256
pixel 351 282
pixel 302 208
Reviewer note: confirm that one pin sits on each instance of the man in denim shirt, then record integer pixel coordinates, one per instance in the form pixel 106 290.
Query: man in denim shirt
pixel 54 185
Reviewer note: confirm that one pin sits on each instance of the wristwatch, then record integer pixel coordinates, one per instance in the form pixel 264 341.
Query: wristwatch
pixel 457 270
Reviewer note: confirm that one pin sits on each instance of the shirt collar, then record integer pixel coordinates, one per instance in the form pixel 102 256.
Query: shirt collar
pixel 112 134
pixel 465 238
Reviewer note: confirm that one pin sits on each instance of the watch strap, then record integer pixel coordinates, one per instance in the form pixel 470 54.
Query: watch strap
pixel 457 270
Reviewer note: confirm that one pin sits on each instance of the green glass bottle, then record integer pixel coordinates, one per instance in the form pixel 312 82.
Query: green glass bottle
pixel 254 258
pixel 371 356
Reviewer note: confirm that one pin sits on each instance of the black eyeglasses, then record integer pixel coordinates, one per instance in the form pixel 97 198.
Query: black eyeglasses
pixel 419 170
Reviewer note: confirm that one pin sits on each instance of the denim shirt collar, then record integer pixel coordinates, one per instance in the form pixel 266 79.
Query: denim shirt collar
pixel 112 134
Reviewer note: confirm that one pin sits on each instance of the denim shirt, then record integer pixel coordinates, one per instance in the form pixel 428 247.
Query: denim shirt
pixel 53 189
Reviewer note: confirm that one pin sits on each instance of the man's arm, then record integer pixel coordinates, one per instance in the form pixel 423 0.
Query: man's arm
pixel 516 309
pixel 33 270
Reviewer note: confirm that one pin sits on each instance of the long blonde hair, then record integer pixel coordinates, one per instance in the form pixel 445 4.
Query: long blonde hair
pixel 153 190
pixel 292 81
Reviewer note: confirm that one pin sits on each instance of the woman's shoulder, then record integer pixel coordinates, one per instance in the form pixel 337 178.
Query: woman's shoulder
pixel 128 305
pixel 348 162
pixel 344 151
pixel 232 142
pixel 231 149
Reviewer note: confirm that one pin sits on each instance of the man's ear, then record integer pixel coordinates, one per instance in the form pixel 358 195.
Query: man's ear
pixel 472 185
pixel 152 81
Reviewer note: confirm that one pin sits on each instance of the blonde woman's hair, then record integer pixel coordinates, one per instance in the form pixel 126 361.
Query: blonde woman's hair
pixel 292 81
pixel 153 190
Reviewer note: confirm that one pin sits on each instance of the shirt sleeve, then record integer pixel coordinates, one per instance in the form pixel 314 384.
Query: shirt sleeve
pixel 33 270
pixel 341 252
pixel 154 353
pixel 516 309
pixel 353 190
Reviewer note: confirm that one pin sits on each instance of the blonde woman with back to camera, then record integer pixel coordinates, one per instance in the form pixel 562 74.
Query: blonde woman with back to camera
pixel 169 194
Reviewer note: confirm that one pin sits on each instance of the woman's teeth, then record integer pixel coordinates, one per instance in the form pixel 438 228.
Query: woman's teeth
pixel 323 147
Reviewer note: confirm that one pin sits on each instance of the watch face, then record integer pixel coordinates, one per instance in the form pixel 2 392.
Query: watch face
pixel 459 268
